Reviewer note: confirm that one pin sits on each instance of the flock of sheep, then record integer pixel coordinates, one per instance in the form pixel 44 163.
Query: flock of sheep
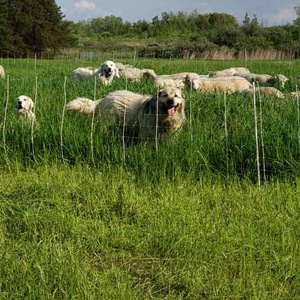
pixel 161 115
pixel 232 80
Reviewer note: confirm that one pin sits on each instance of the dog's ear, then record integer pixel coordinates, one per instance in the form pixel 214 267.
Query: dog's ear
pixel 160 93
pixel 182 94
pixel 31 103
pixel 117 71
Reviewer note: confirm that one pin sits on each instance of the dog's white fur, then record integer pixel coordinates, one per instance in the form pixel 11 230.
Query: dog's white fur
pixel 228 84
pixel 105 73
pixel 2 72
pixel 25 107
pixel 230 72
pixel 141 111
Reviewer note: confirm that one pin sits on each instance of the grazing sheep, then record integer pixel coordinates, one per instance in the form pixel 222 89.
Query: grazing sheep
pixel 84 106
pixel 25 107
pixel 164 81
pixel 135 75
pixel 228 84
pixel 264 92
pixel 83 73
pixel 2 73
pixel 282 80
pixel 105 73
pixel 260 78
pixel 141 111
pixel 230 72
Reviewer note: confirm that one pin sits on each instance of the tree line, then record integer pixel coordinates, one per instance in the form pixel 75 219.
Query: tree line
pixel 39 25
pixel 194 29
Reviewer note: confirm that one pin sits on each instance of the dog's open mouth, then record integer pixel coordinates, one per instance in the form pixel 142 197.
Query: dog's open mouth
pixel 108 74
pixel 171 110
pixel 20 106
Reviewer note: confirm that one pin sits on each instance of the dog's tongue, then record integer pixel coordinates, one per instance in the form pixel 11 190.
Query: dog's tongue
pixel 171 111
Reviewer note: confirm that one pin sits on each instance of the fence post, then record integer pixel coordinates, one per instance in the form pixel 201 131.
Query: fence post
pixel 226 131
pixel 256 136
pixel 262 135
pixel 63 119
pixel 92 124
pixel 156 121
pixel 298 114
pixel 32 121
pixel 5 118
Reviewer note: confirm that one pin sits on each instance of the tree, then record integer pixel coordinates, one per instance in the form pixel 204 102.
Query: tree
pixel 297 10
pixel 33 25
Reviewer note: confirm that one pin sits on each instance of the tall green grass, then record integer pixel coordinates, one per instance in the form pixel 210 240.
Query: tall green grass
pixel 70 233
pixel 175 223
pixel 200 148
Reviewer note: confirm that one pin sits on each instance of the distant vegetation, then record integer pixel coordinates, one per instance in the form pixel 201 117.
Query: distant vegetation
pixel 175 31
pixel 40 26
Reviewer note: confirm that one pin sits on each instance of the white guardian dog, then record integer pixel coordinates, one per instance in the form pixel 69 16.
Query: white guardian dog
pixel 2 73
pixel 25 107
pixel 145 116
pixel 106 73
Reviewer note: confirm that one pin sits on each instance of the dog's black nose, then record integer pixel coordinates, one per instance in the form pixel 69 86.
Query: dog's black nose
pixel 170 102
pixel 109 69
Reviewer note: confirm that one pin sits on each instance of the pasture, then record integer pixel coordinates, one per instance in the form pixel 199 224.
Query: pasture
pixel 87 213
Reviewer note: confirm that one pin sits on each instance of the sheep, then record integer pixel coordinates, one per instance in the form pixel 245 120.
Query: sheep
pixel 228 84
pixel 264 92
pixel 260 78
pixel 134 74
pixel 83 73
pixel 2 73
pixel 165 81
pixel 230 72
pixel 282 80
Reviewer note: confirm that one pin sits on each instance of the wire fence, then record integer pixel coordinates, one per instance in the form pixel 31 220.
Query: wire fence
pixel 264 138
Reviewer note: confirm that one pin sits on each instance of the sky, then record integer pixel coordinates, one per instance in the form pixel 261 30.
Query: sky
pixel 271 12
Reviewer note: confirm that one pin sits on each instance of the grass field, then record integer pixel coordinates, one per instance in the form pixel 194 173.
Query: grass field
pixel 184 222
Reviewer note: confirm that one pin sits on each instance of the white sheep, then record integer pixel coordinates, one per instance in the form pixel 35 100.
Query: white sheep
pixel 260 78
pixel 264 92
pixel 165 81
pixel 229 84
pixel 134 74
pixel 230 72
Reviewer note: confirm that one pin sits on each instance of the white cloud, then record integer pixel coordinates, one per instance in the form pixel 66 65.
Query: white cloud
pixel 84 5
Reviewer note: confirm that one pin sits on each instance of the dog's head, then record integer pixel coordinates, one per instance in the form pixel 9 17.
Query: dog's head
pixel 171 102
pixel 24 104
pixel 108 69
